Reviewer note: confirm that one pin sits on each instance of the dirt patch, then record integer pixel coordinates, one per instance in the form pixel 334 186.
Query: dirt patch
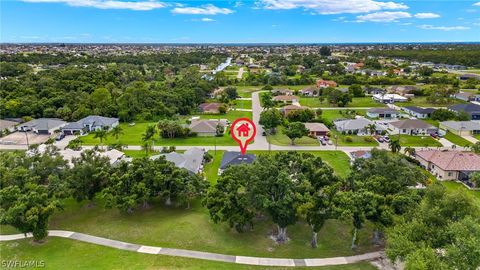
pixel 20 138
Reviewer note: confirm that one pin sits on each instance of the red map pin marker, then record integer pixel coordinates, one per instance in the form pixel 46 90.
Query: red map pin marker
pixel 243 131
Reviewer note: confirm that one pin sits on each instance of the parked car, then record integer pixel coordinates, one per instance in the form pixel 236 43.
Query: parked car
pixel 330 142
pixel 386 138
pixel 323 142
pixel 434 135
pixel 380 139
pixel 60 137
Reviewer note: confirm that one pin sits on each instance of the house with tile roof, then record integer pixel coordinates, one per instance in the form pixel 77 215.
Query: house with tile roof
pixel 449 165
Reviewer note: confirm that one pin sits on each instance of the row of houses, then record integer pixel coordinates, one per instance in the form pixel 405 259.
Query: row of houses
pixel 193 159
pixel 364 126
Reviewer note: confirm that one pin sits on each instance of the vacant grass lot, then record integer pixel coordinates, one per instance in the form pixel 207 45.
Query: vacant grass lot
pixel 356 102
pixel 420 141
pixel 458 140
pixel 280 138
pixel 242 104
pixel 332 115
pixel 133 134
pixel 422 102
pixel 57 253
pixel 355 140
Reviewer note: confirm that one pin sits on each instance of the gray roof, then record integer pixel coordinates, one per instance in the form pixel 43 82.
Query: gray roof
pixel 412 123
pixel 383 110
pixel 4 124
pixel 353 124
pixel 206 126
pixel 467 107
pixel 98 120
pixel 235 158
pixel 92 120
pixel 44 123
pixel 191 160
pixel 461 125
pixel 419 110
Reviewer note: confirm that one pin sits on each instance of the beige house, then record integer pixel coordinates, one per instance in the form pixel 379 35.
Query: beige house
pixel 286 99
pixel 449 165
pixel 317 129
pixel 461 128
pixel 207 127
pixel 412 127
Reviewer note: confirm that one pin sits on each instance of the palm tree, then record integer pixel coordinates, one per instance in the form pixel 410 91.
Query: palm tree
pixel 394 145
pixel 410 151
pixel 117 131
pixel 147 147
pixel 100 134
pixel 149 133
pixel 371 128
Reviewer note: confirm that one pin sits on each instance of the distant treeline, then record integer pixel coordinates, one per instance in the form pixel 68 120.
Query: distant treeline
pixel 468 57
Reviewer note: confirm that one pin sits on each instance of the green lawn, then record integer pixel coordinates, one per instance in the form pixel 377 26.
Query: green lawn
pixel 477 136
pixel 280 138
pixel 133 134
pixel 332 115
pixel 243 104
pixel 246 91
pixel 420 141
pixel 192 229
pixel 422 102
pixel 211 169
pixel 452 186
pixel 458 140
pixel 356 140
pixel 57 253
pixel 356 102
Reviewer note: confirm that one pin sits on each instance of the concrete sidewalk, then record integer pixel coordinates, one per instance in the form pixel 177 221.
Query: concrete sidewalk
pixel 202 255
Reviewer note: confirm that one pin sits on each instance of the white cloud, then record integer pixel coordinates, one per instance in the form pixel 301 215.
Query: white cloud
pixel 477 4
pixel 203 10
pixel 426 15
pixel 332 6
pixel 107 4
pixel 443 28
pixel 386 16
pixel 207 20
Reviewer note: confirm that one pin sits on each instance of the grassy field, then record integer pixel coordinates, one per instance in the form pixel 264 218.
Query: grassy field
pixel 280 138
pixel 477 136
pixel 356 102
pixel 421 141
pixel 332 115
pixel 356 140
pixel 56 253
pixel 133 134
pixel 192 229
pixel 452 186
pixel 243 104
pixel 458 140
pixel 422 102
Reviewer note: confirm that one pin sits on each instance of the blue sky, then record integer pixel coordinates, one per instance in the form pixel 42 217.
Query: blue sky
pixel 258 21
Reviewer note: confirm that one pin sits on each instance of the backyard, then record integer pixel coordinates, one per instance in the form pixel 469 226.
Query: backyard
pixel 422 102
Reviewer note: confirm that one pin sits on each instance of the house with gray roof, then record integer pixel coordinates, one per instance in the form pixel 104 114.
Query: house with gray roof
pixel 383 113
pixel 473 110
pixel 461 128
pixel 7 125
pixel 232 158
pixel 418 112
pixel 466 96
pixel 357 126
pixel 42 125
pixel 90 123
pixel 191 160
pixel 207 127
pixel 412 127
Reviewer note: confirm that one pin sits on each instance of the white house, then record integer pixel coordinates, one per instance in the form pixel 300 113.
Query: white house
pixel 389 98
pixel 383 113
pixel 412 127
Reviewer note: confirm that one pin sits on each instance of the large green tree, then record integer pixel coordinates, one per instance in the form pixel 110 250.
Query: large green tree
pixel 295 130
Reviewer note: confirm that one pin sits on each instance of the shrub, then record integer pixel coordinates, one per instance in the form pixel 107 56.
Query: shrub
pixel 369 139
pixel 349 139
pixel 208 157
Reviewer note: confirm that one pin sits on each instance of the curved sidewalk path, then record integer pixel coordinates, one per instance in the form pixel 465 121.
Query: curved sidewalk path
pixel 202 255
